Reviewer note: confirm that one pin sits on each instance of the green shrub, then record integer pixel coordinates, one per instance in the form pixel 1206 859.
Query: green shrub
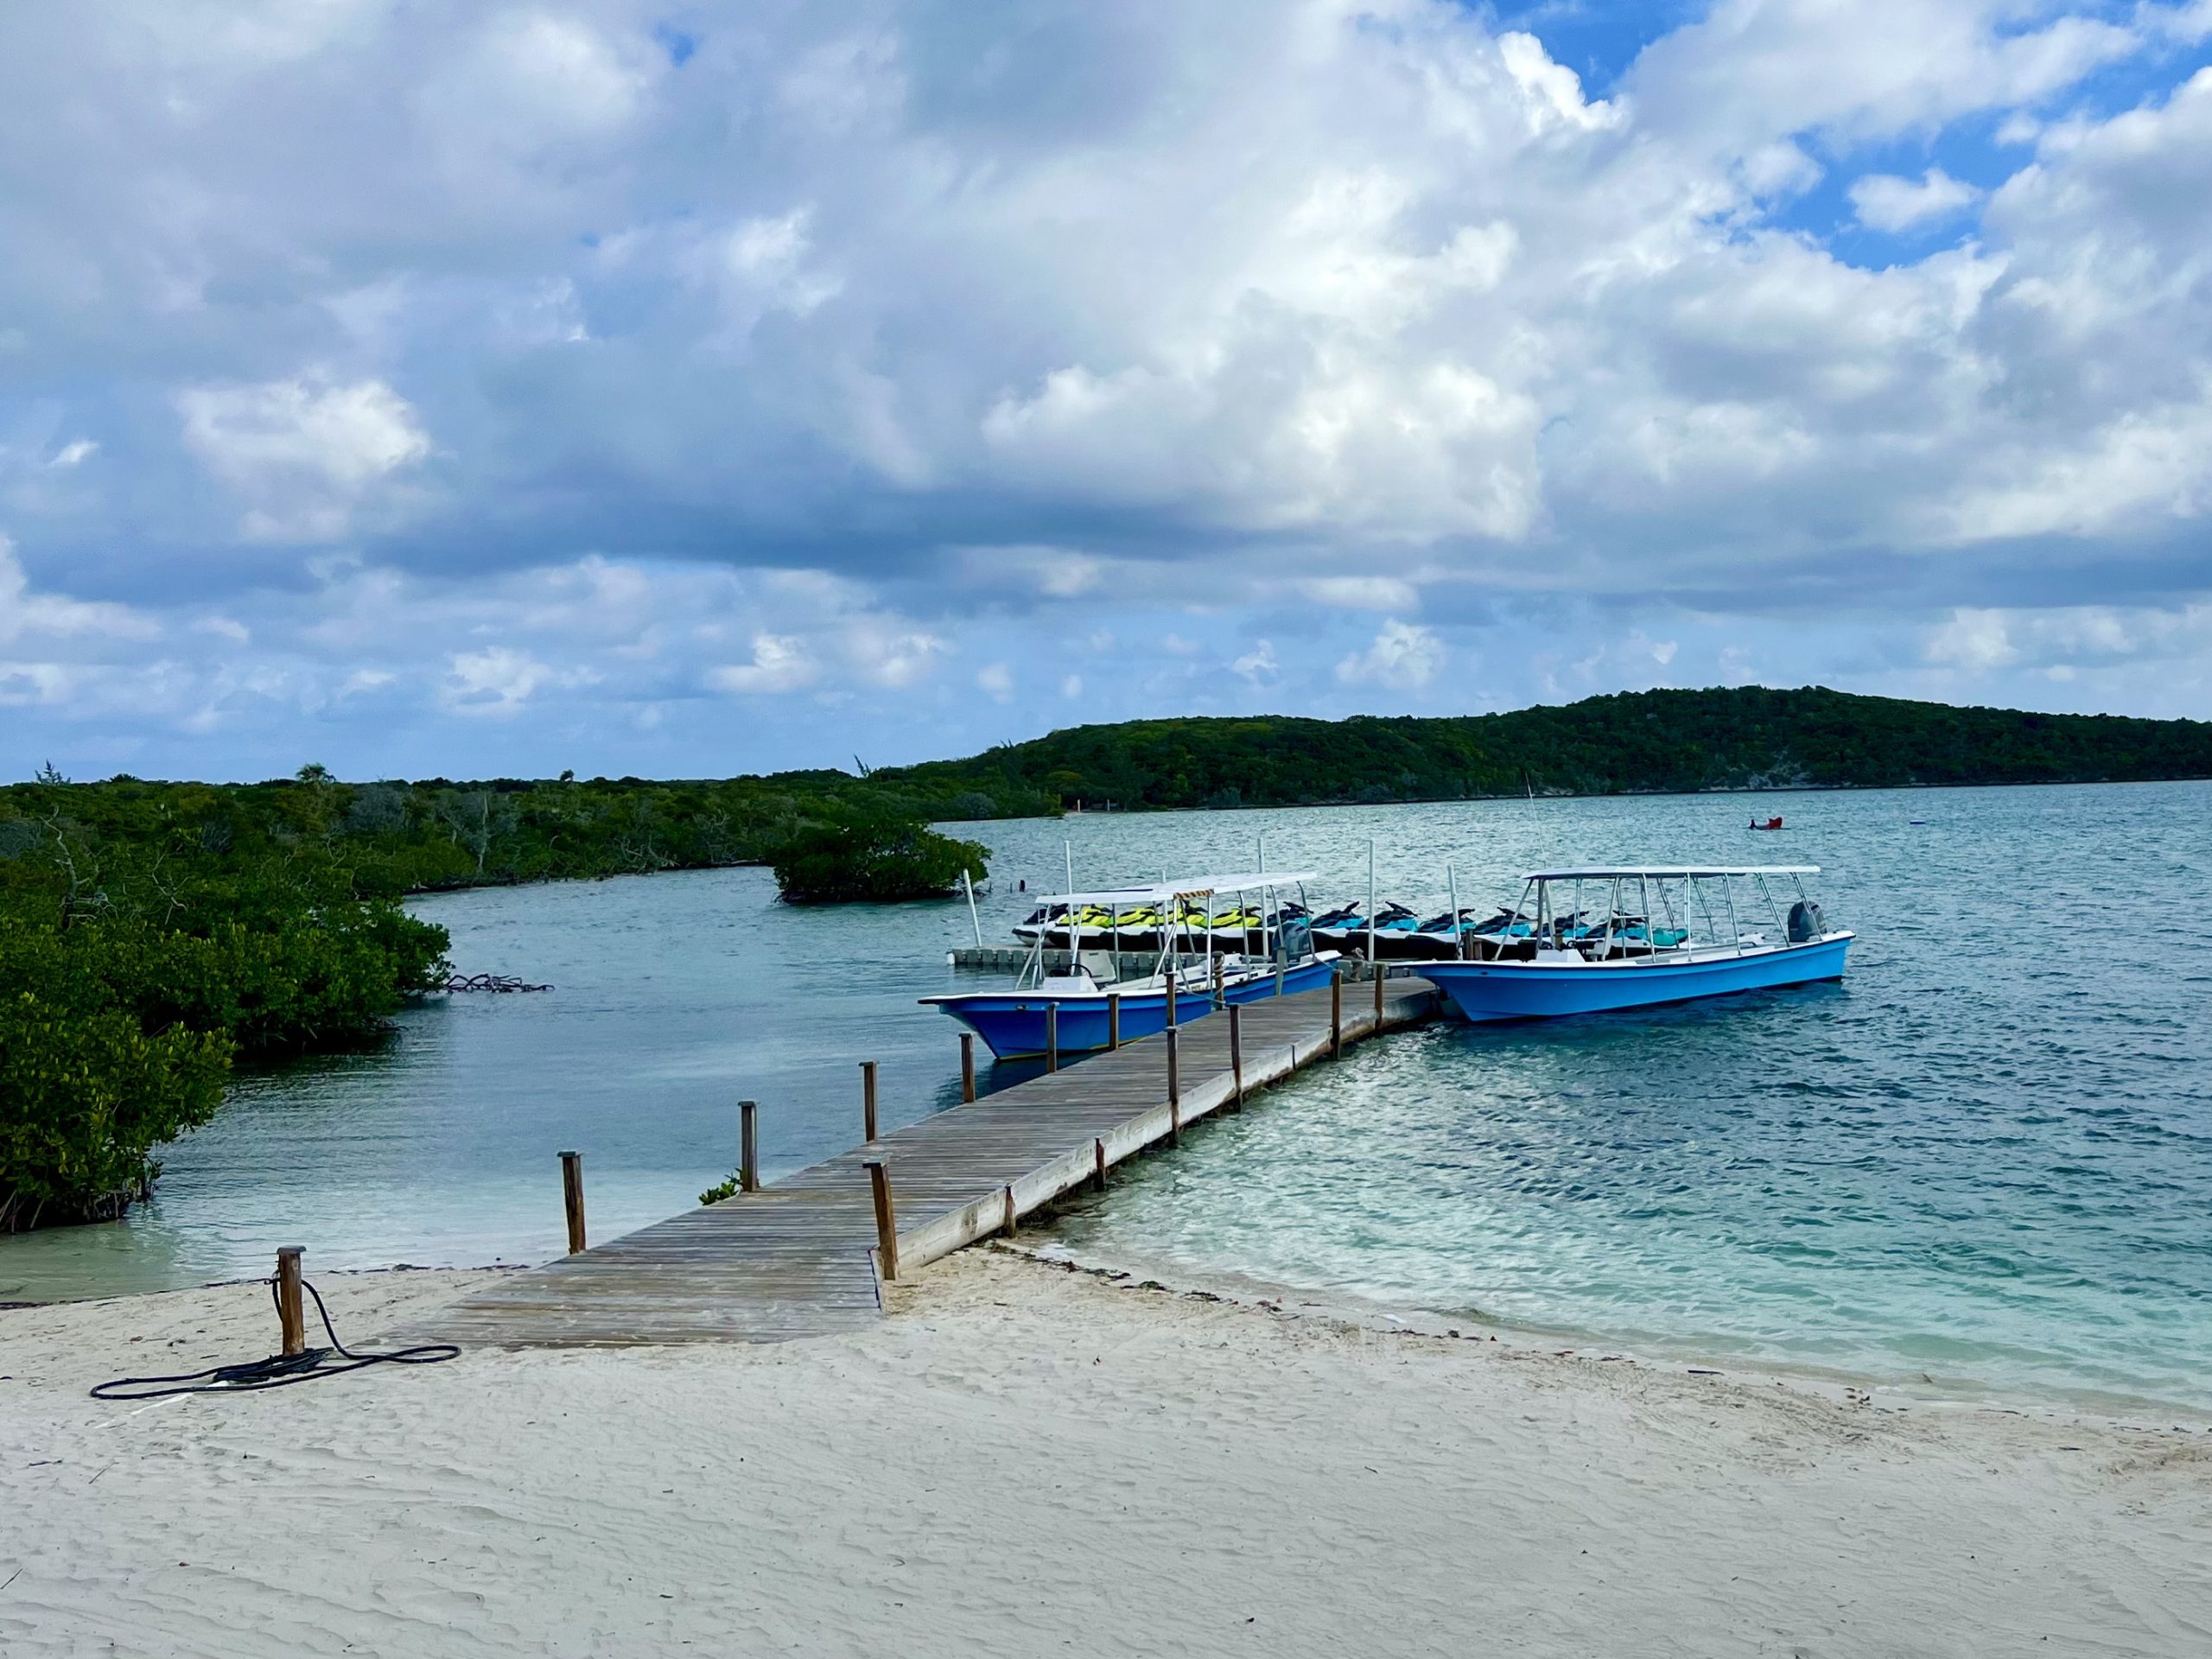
pixel 85 1097
pixel 720 1190
pixel 859 858
pixel 129 974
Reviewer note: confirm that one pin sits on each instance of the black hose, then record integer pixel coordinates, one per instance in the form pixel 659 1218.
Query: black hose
pixel 278 1370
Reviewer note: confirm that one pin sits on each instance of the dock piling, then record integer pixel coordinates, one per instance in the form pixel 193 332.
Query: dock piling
pixel 1098 1164
pixel 290 1318
pixel 1011 1215
pixel 748 1146
pixel 1174 1087
pixel 1235 1057
pixel 1052 1036
pixel 572 1195
pixel 1381 973
pixel 968 1068
pixel 1336 1017
pixel 1113 1019
pixel 867 1101
pixel 886 1224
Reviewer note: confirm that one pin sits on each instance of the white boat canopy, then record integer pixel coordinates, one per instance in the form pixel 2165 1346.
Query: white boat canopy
pixel 1195 887
pixel 1673 873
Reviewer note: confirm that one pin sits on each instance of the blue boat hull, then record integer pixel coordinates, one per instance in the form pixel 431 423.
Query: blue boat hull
pixel 1012 1023
pixel 1519 991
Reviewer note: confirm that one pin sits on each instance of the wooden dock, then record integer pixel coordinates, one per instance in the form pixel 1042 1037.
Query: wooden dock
pixel 797 1257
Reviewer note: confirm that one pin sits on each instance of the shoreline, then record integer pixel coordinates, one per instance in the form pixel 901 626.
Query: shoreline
pixel 1024 1456
pixel 1835 1384
pixel 1040 1243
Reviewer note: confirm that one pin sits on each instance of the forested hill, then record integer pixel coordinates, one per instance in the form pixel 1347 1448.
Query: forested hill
pixel 1640 742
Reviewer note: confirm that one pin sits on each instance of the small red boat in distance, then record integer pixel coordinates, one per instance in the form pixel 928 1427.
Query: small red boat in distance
pixel 1771 823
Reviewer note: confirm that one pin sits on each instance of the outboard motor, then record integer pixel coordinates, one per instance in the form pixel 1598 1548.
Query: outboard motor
pixel 1297 938
pixel 1805 922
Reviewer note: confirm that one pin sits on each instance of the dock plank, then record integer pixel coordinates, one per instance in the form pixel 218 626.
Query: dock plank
pixel 796 1258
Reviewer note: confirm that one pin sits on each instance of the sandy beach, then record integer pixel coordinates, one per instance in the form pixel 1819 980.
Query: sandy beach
pixel 1025 1458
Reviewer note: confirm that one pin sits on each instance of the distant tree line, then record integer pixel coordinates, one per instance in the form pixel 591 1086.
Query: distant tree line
pixel 1635 742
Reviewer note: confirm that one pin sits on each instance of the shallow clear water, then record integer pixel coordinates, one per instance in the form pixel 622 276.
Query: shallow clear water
pixel 1986 1157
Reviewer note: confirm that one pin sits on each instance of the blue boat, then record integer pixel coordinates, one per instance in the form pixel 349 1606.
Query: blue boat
pixel 1087 1009
pixel 1653 935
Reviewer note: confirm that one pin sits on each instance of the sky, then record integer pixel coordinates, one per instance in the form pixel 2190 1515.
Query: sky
pixel 685 390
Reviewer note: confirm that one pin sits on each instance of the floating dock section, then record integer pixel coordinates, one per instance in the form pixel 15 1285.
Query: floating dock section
pixel 798 1257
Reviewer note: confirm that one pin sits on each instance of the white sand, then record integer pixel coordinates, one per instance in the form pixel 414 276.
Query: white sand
pixel 1026 1460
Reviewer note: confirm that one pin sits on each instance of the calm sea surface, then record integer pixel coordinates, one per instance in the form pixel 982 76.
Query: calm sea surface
pixel 1984 1158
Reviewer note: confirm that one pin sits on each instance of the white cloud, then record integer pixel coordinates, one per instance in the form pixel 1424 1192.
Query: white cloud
pixel 779 663
pixel 885 654
pixel 1972 639
pixel 27 614
pixel 1404 657
pixel 498 680
pixel 302 451
pixel 1257 664
pixel 1072 687
pixel 1886 202
pixel 1184 311
pixel 997 680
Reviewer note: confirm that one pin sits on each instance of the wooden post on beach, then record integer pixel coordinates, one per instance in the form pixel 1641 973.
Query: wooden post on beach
pixel 968 1067
pixel 290 1318
pixel 1236 1057
pixel 886 1223
pixel 1113 1019
pixel 1336 1017
pixel 867 1101
pixel 748 1146
pixel 1098 1164
pixel 572 1195
pixel 1052 1036
pixel 1007 1229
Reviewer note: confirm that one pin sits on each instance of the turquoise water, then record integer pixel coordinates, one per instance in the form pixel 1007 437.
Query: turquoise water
pixel 1984 1158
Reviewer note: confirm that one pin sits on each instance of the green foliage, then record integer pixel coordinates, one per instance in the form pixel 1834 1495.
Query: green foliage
pixel 83 1098
pixel 850 856
pixel 720 1190
pixel 1647 742
pixel 138 954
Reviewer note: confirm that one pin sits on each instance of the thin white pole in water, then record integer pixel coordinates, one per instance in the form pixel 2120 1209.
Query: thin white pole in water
pixel 1371 902
pixel 975 921
pixel 1452 887
pixel 1067 851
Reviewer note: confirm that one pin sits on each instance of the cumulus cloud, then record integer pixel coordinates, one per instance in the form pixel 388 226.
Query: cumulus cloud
pixel 836 348
pixel 26 613
pixel 1886 202
pixel 1973 640
pixel 1258 664
pixel 498 680
pixel 1404 657
pixel 302 453
pixel 779 663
